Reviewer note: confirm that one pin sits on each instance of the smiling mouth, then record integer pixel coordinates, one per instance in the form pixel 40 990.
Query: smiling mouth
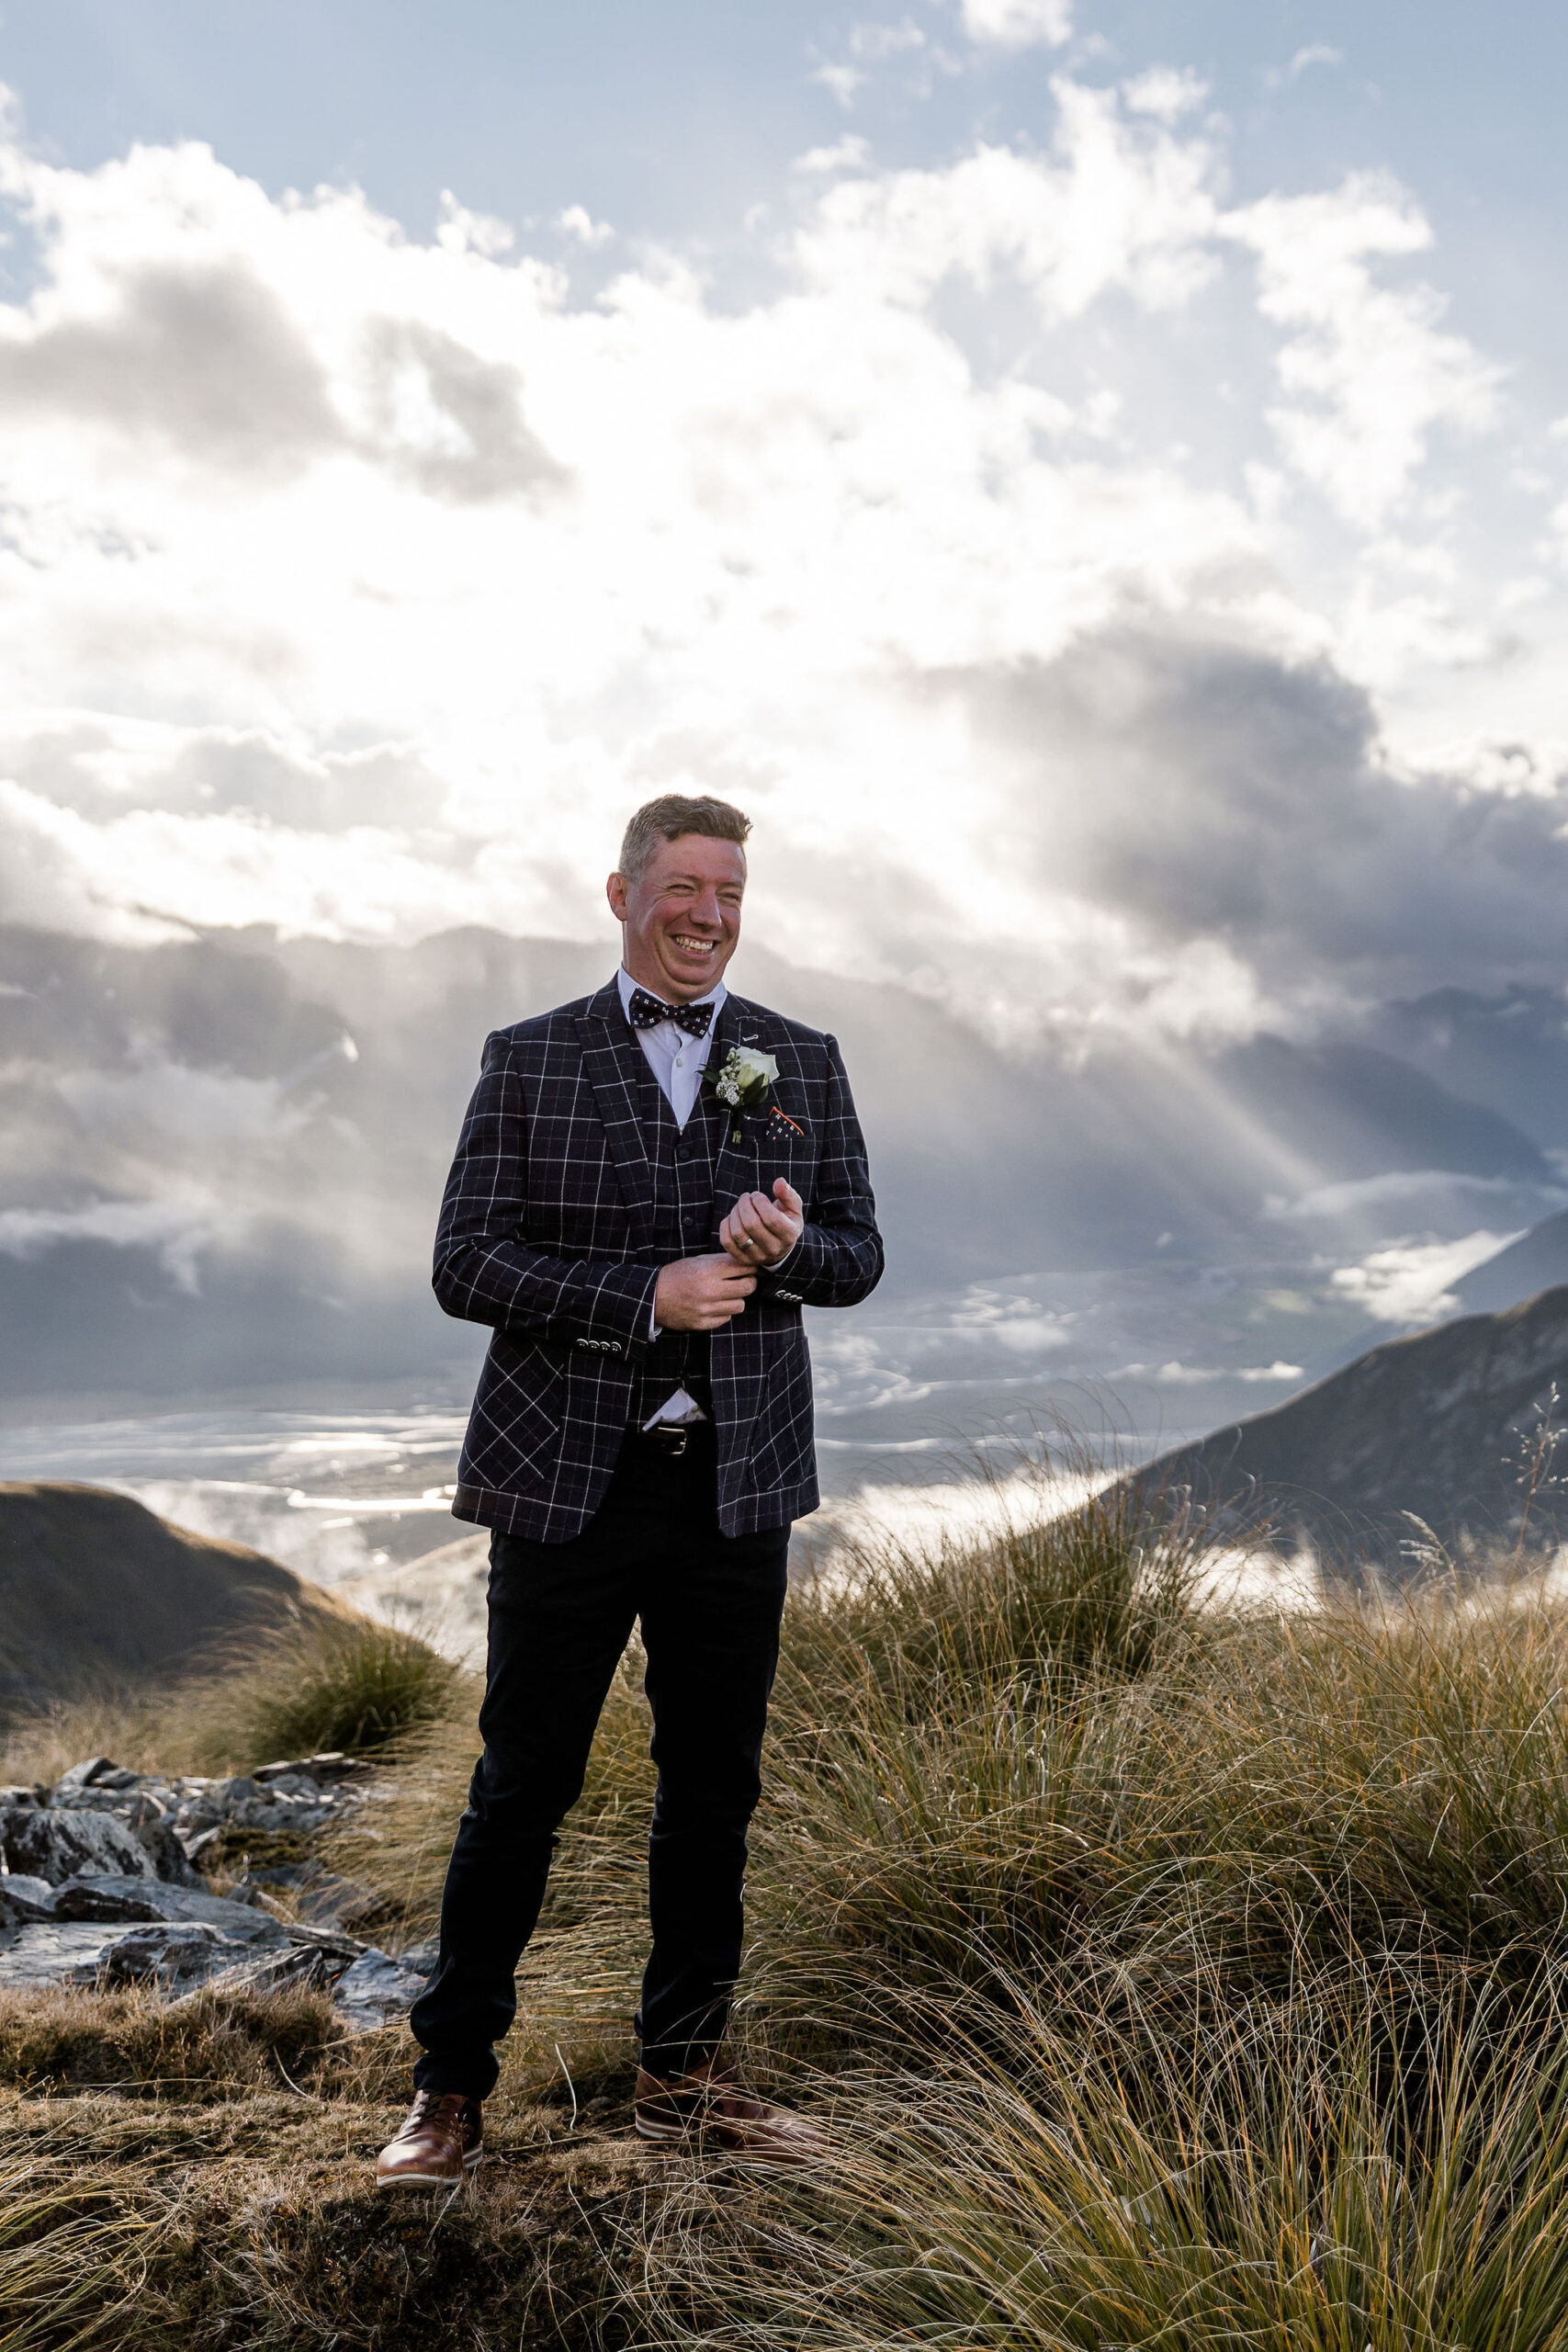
pixel 692 946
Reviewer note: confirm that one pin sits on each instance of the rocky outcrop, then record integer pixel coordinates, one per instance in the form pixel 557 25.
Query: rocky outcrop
pixel 1437 1428
pixel 98 1888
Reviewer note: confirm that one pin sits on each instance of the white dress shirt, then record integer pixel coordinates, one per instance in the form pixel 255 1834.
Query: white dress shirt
pixel 676 1060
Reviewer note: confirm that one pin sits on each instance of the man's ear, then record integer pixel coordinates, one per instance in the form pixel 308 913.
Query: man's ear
pixel 615 891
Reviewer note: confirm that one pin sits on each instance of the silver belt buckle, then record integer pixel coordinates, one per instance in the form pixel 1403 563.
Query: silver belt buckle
pixel 669 1437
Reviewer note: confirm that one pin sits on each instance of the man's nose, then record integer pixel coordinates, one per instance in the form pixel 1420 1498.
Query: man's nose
pixel 707 909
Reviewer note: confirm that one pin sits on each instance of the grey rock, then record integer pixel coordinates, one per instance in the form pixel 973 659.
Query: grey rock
pixel 330 1765
pixel 16 1792
pixel 52 1953
pixel 333 1942
pixel 374 1992
pixel 107 1902
pixel 82 1776
pixel 420 1959
pixel 161 1901
pixel 30 1898
pixel 164 1953
pixel 274 1813
pixel 160 1841
pixel 59 1842
pixel 223 1797
pixel 142 1802
pixel 293 1963
pixel 289 1781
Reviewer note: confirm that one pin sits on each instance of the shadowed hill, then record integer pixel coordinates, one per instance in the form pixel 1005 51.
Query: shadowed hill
pixel 1437 1425
pixel 95 1590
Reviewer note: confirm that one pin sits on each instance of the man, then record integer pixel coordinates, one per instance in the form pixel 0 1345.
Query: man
pixel 643 1244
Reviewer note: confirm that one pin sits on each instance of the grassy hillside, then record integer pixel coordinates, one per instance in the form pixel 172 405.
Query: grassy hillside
pixel 97 1591
pixel 1170 1972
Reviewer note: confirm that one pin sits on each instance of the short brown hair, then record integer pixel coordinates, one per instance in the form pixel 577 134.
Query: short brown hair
pixel 672 814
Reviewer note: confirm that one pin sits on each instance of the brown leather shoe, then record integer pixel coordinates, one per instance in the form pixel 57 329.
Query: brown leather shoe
pixel 440 2143
pixel 707 2109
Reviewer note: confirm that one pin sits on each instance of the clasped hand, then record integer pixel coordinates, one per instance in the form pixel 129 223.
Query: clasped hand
pixel 703 1294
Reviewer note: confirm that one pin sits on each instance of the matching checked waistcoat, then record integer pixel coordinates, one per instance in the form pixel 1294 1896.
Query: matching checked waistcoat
pixel 681 1162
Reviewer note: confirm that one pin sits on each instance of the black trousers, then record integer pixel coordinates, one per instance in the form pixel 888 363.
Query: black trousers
pixel 561 1615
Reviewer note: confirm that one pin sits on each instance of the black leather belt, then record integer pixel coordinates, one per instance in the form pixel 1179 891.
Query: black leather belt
pixel 669 1437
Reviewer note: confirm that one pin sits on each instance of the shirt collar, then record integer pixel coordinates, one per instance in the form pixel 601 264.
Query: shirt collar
pixel 714 996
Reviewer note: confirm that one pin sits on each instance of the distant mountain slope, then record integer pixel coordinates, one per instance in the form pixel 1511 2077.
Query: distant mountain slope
pixel 1509 1051
pixel 1536 1262
pixel 1435 1425
pixel 95 1590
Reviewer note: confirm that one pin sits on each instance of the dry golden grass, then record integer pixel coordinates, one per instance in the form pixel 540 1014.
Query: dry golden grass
pixel 1173 1976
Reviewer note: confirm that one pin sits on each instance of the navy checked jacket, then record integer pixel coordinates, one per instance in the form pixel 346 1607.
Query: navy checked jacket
pixel 547 1233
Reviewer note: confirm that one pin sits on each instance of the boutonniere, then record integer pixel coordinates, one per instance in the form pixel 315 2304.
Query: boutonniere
pixel 741 1082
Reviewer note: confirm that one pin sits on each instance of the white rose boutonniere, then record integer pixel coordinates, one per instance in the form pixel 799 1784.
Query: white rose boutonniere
pixel 741 1082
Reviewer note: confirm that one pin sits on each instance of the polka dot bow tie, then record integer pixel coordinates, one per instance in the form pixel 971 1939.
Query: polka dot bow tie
pixel 647 1012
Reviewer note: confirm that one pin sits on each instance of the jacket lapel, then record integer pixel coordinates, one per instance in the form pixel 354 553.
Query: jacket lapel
pixel 615 1064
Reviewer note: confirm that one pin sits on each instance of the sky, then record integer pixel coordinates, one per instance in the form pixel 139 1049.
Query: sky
pixel 1093 483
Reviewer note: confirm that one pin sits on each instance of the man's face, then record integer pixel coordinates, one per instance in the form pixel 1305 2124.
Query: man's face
pixel 682 914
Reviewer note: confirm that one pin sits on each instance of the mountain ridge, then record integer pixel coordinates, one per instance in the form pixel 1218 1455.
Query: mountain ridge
pixel 1433 1428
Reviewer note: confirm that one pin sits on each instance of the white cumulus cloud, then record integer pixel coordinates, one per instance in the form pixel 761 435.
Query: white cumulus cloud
pixel 359 584
pixel 1019 24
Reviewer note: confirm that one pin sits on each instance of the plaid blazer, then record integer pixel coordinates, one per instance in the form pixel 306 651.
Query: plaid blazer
pixel 547 1233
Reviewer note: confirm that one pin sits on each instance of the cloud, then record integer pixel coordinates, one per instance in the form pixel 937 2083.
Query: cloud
pixel 201 358
pixel 840 80
pixel 1018 24
pixel 850 154
pixel 359 586
pixel 1408 1283
pixel 1167 92
pixel 1209 789
pixel 869 45
pixel 579 222
pixel 1316 52
pixel 450 420
pixel 180 1230
pixel 1367 372
pixel 1115 206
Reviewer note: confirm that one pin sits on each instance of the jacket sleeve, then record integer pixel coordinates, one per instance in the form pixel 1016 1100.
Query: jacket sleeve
pixel 839 1258
pixel 485 1270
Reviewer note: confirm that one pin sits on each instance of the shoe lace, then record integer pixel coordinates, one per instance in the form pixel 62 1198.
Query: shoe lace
pixel 440 2111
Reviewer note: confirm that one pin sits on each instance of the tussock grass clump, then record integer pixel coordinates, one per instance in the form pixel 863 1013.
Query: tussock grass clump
pixel 1103 1591
pixel 1283 2184
pixel 209 2045
pixel 71 2252
pixel 354 1690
